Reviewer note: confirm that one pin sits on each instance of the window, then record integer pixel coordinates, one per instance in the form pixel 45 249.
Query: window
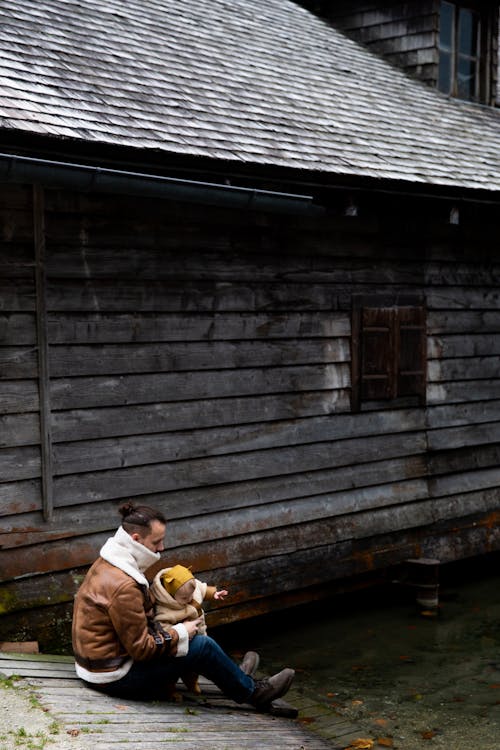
pixel 464 49
pixel 389 349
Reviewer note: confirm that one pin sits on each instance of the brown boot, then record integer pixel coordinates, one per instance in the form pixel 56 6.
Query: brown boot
pixel 172 694
pixel 250 663
pixel 190 680
pixel 268 690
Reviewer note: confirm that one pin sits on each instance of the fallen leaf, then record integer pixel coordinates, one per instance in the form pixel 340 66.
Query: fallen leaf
pixel 362 743
pixel 306 719
pixel 380 722
pixel 495 686
pixel 331 695
pixel 428 735
pixel 385 741
pixel 122 708
pixel 73 732
pixel 357 703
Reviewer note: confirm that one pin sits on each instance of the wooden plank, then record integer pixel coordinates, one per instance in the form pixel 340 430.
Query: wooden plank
pixel 463 322
pixel 462 458
pixel 177 356
pixel 18 396
pixel 460 345
pixel 16 254
pixel 94 328
pixel 451 298
pixel 469 390
pixel 466 414
pixel 17 329
pixel 165 477
pixel 24 463
pixel 454 538
pixel 20 497
pixel 457 437
pixel 465 368
pixel 123 295
pixel 17 530
pixel 232 414
pixel 214 718
pixel 37 672
pixel 83 392
pixel 18 362
pixel 19 429
pixel 19 463
pixel 237 437
pixel 18 297
pixel 184 262
pixel 300 513
pixel 23 647
pixel 460 482
pixel 23 659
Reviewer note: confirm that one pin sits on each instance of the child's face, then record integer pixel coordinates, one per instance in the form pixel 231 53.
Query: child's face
pixel 184 593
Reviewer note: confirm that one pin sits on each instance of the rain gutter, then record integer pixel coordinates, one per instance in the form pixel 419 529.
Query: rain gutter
pixel 23 169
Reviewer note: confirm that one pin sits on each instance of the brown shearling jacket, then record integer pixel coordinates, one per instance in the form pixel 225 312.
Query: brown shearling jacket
pixel 112 621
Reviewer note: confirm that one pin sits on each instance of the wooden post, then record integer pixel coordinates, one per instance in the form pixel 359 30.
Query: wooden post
pixel 423 574
pixel 43 353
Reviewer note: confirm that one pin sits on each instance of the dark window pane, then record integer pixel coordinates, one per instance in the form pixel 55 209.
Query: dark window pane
pixel 466 78
pixel 446 26
pixel 444 80
pixel 467 32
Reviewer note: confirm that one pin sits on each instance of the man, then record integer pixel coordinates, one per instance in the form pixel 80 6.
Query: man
pixel 121 651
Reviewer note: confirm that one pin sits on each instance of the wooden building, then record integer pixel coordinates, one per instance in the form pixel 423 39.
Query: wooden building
pixel 451 45
pixel 249 274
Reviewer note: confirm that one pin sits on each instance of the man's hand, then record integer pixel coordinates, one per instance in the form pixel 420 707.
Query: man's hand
pixel 192 627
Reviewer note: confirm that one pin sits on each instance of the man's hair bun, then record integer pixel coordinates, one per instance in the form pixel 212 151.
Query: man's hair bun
pixel 126 509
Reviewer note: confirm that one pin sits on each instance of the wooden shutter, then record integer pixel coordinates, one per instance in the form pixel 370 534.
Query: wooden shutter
pixel 377 375
pixel 388 353
pixel 412 352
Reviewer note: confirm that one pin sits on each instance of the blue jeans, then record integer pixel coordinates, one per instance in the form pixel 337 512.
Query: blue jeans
pixel 146 680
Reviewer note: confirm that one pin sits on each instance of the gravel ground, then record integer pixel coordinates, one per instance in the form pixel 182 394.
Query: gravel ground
pixel 26 726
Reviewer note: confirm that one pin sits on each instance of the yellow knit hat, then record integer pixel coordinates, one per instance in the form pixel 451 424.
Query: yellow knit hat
pixel 175 577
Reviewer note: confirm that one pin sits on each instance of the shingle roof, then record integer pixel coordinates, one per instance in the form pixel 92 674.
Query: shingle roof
pixel 253 81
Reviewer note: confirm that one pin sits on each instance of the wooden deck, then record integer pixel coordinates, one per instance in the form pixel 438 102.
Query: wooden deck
pixel 211 722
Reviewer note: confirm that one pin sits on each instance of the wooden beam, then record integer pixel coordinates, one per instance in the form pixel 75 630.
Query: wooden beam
pixel 43 353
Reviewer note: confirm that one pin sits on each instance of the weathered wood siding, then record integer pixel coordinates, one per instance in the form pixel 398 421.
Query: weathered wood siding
pixel 404 33
pixel 199 361
pixel 407 34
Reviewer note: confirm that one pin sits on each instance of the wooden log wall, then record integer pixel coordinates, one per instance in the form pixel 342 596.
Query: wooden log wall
pixel 199 361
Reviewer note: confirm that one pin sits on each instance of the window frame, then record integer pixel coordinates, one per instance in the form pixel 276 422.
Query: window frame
pixel 484 76
pixel 396 386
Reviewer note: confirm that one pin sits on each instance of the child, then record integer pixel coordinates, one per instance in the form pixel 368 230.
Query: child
pixel 179 596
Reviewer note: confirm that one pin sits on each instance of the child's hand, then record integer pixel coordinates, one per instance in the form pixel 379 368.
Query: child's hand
pixel 220 594
pixel 192 626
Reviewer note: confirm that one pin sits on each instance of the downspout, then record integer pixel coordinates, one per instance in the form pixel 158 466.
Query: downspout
pixel 23 169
